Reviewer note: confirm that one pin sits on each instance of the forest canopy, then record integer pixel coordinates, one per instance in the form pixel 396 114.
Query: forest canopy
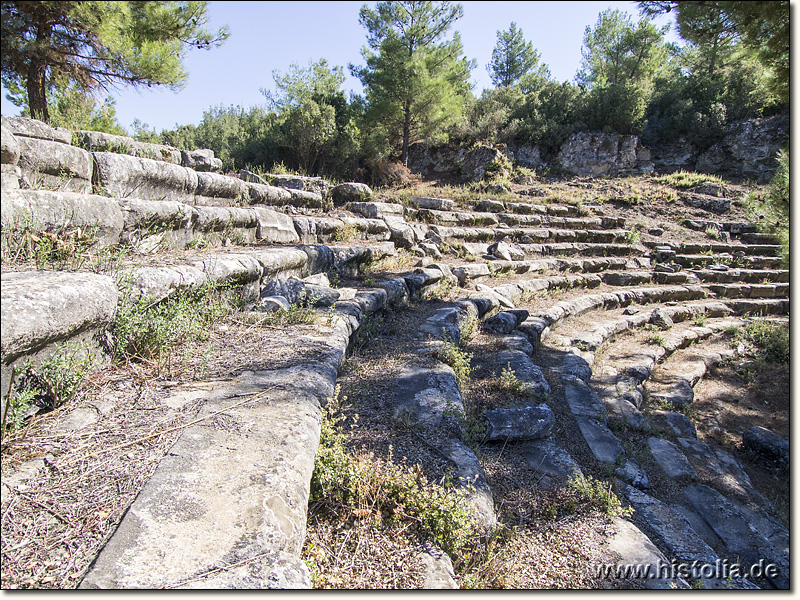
pixel 732 64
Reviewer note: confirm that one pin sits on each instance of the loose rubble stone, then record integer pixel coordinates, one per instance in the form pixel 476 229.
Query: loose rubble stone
pixel 676 533
pixel 768 445
pixel 671 460
pixel 9 147
pixel 635 548
pixel 292 289
pixel 519 424
pixel 661 319
pixel 679 393
pixel 630 472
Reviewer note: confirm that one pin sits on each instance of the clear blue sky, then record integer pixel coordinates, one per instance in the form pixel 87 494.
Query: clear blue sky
pixel 265 36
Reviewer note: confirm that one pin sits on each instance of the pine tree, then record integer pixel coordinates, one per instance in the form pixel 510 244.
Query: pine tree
pixel 96 44
pixel 512 58
pixel 415 79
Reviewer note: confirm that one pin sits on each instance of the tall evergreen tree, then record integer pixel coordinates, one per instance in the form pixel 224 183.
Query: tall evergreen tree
pixel 763 26
pixel 618 52
pixel 416 80
pixel 96 44
pixel 512 58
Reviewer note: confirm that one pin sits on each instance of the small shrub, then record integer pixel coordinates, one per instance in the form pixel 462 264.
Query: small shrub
pixel 365 485
pixel 632 237
pixel 393 174
pixel 458 360
pixel 345 233
pixel 508 382
pixel 770 211
pixel 599 494
pixel 152 332
pixel 53 383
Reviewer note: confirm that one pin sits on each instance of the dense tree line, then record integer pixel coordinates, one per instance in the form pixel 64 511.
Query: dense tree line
pixel 732 66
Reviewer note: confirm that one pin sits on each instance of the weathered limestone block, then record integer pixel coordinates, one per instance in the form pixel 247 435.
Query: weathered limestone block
pixel 200 160
pixel 31 128
pixel 54 212
pixel 433 203
pixel 224 498
pixel 268 194
pixel 42 308
pixel 426 397
pixel 9 147
pixel 214 189
pixel 669 457
pixel 97 141
pixel 350 192
pixel 312 230
pixel 125 176
pixel 315 185
pixel 306 199
pixel 284 262
pixel 377 210
pixel 767 444
pixel 275 227
pixel 151 224
pixel 153 284
pixel 236 225
pixel 156 215
pixel 9 177
pixel 53 165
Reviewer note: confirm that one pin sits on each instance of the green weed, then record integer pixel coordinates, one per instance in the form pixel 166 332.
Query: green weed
pixel 52 383
pixel 152 332
pixel 686 179
pixel 599 494
pixel 457 359
pixel 370 487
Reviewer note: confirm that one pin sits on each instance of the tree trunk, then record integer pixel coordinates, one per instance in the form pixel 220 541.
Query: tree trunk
pixel 406 131
pixel 37 91
pixel 37 75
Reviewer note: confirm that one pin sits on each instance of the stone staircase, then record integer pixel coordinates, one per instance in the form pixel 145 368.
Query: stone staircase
pixel 566 294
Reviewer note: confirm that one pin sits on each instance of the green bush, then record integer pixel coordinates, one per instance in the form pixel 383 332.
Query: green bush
pixel 362 482
pixel 149 332
pixel 52 383
pixel 770 210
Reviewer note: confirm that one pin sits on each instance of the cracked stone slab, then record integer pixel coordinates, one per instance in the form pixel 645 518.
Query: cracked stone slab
pixel 232 488
pixel 518 424
pixel 583 401
pixel 602 442
pixel 635 548
pixel 551 463
pixel 673 529
pixel 471 479
pixel 739 535
pixel 425 396
pixel 671 460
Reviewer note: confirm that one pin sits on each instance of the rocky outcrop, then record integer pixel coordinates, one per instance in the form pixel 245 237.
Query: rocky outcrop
pixel 591 154
pixel 748 149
